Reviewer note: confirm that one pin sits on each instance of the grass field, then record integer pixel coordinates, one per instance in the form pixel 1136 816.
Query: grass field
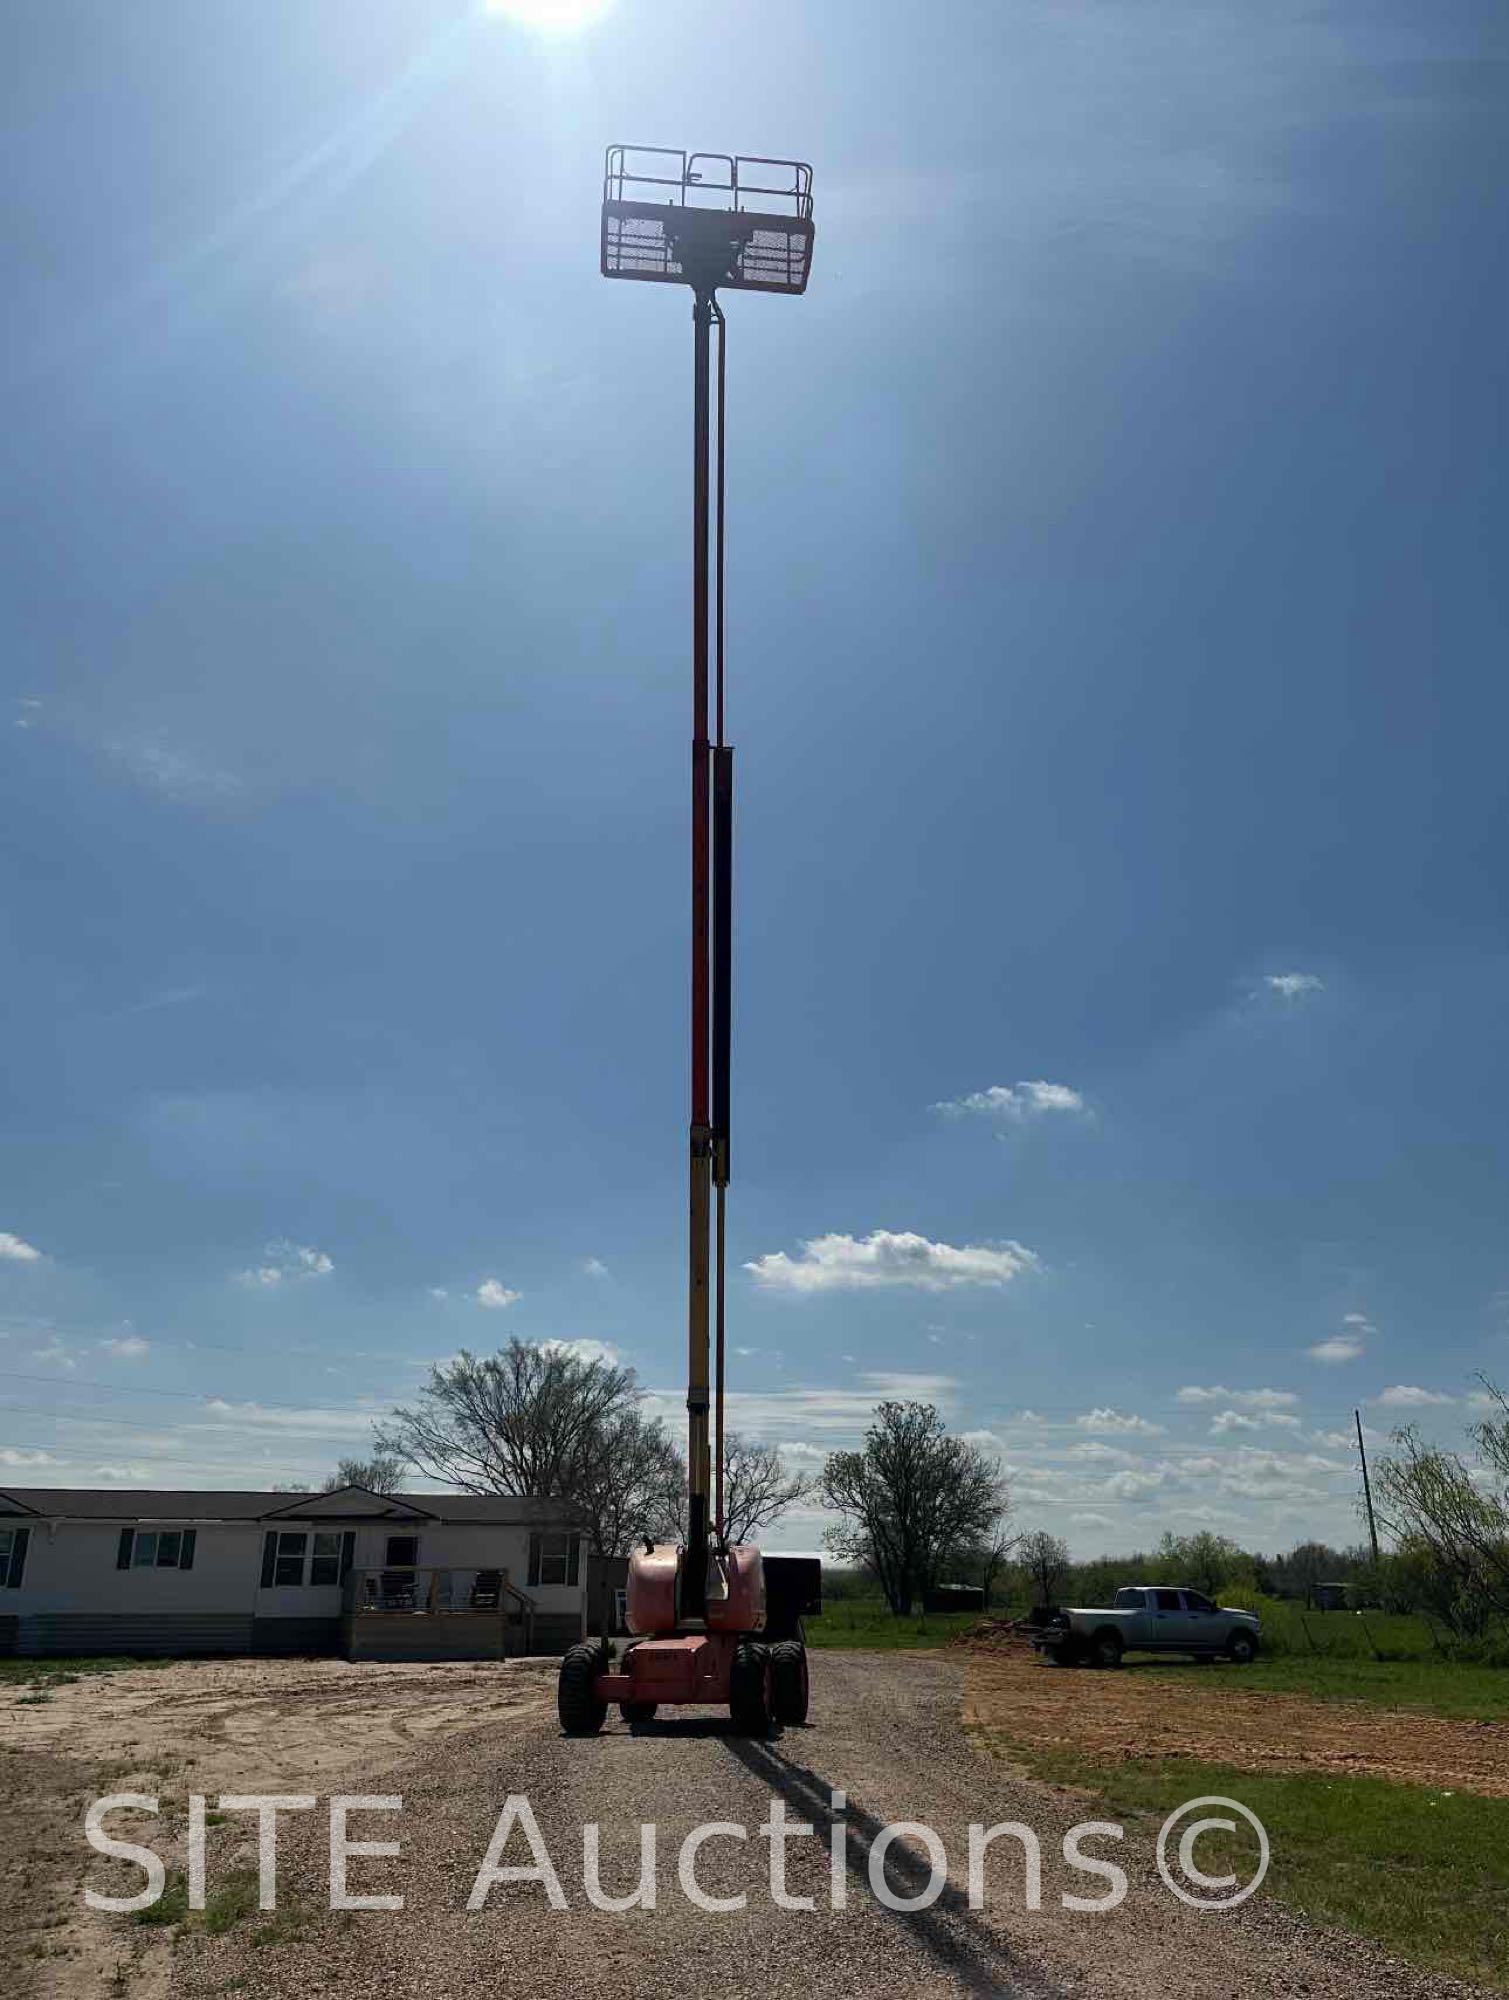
pixel 1434 1686
pixel 865 1623
pixel 1424 1872
pixel 1392 1662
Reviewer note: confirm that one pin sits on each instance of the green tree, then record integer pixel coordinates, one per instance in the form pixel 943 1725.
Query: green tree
pixel 908 1498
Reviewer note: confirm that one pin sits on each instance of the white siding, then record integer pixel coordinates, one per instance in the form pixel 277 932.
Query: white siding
pixel 70 1567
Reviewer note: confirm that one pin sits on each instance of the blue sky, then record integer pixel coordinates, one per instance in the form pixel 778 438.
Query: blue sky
pixel 1117 619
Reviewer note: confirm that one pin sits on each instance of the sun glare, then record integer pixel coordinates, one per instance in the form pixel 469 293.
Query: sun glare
pixel 552 17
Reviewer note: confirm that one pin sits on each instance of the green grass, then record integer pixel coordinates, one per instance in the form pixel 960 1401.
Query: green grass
pixel 1434 1686
pixel 866 1622
pixel 57 1673
pixel 1423 1872
pixel 231 1902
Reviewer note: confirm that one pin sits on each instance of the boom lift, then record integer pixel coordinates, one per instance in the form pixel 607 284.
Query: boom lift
pixel 712 1622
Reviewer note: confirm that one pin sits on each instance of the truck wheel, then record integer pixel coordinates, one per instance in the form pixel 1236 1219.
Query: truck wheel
pixel 789 1691
pixel 749 1689
pixel 576 1703
pixel 1106 1649
pixel 638 1711
pixel 1241 1649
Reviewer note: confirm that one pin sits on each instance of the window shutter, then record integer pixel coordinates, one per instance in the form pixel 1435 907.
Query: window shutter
pixel 534 1561
pixel 348 1552
pixel 123 1548
pixel 269 1557
pixel 574 1559
pixel 17 1558
pixel 186 1549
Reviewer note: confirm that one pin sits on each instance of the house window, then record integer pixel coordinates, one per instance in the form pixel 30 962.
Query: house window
pixel 12 1556
pixel 403 1551
pixel 292 1557
pixel 554 1557
pixel 325 1563
pixel 289 1567
pixel 155 1548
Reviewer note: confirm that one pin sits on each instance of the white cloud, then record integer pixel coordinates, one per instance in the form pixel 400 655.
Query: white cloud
pixel 496 1296
pixel 259 1415
pixel 176 773
pixel 594 1267
pixel 583 1350
pixel 1360 1321
pixel 899 1387
pixel 1404 1396
pixel 1340 1347
pixel 1013 1104
pixel 1239 1399
pixel 890 1258
pixel 439 1292
pixel 17 1251
pixel 1237 1420
pixel 128 1347
pixel 1093 1453
pixel 1116 1422
pixel 21 1460
pixel 286 1261
pixel 1135 1485
pixel 56 1352
pixel 1292 984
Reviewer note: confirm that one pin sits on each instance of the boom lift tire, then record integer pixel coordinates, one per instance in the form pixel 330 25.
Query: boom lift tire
pixel 580 1711
pixel 749 1689
pixel 788 1682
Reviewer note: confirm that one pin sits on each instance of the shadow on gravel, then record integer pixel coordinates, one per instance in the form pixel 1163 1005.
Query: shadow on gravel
pixel 950 1931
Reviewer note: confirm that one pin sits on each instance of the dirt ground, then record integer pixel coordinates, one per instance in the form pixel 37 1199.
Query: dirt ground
pixel 207 1726
pixel 1134 1714
pixel 889 1731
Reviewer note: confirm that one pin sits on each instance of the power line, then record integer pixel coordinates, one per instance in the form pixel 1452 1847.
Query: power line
pixel 183 1395
pixel 126 1424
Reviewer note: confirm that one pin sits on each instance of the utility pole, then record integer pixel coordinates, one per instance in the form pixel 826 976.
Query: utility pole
pixel 1367 1490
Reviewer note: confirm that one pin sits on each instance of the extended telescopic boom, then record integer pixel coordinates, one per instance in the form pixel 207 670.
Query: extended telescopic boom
pixel 711 221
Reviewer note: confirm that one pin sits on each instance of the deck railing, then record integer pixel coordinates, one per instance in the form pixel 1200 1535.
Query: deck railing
pixel 424 1591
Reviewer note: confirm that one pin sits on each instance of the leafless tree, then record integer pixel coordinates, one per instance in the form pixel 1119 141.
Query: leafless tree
pixel 382 1473
pixel 757 1488
pixel 986 1558
pixel 1451 1519
pixel 1045 1558
pixel 541 1421
pixel 633 1486
pixel 909 1498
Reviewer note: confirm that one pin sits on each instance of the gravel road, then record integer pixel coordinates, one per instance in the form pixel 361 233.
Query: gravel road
pixel 885 1730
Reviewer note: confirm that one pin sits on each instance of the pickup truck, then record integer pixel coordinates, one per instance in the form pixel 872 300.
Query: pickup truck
pixel 1147 1618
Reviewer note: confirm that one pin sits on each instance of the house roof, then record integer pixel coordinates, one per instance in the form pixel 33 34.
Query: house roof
pixel 348 1503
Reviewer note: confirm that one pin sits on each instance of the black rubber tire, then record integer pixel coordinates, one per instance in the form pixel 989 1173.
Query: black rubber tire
pixel 581 1713
pixel 638 1711
pixel 1106 1649
pixel 1061 1656
pixel 1241 1649
pixel 749 1689
pixel 790 1693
